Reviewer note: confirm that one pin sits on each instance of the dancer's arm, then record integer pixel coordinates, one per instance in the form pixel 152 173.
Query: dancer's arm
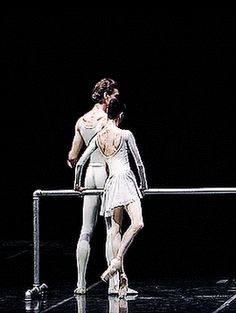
pixel 76 146
pixel 139 163
pixel 81 162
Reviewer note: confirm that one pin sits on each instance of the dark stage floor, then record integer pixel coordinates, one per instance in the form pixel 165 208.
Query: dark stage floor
pixel 155 294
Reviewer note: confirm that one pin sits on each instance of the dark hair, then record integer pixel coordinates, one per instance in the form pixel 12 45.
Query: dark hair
pixel 115 107
pixel 104 85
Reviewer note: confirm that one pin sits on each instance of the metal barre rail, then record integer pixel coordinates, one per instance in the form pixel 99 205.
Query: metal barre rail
pixel 150 191
pixel 70 192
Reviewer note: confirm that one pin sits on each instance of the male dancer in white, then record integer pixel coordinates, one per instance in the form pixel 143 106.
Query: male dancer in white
pixel 121 190
pixel 86 128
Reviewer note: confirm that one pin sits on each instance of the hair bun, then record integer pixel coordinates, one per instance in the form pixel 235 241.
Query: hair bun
pixel 115 107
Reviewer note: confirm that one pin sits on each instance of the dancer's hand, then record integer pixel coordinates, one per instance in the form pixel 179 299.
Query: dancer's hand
pixel 142 189
pixel 78 188
pixel 71 162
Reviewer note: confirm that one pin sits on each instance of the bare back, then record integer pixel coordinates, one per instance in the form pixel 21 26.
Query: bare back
pixel 86 127
pixel 109 139
pixel 94 116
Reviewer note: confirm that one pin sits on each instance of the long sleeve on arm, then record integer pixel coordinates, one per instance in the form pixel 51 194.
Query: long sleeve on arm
pixel 82 160
pixel 135 152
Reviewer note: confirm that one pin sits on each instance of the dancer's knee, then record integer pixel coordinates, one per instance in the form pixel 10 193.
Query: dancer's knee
pixel 85 237
pixel 136 227
pixel 83 245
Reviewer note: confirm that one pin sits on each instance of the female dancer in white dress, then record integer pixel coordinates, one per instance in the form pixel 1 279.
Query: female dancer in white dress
pixel 121 189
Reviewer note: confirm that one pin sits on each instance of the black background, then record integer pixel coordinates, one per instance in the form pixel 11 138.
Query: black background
pixel 176 75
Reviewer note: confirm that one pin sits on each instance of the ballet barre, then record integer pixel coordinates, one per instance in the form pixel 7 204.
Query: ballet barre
pixel 38 289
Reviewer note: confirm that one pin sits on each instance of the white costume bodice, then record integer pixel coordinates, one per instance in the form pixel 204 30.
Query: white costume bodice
pixel 118 162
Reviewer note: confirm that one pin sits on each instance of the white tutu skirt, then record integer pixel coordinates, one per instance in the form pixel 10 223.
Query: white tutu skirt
pixel 120 190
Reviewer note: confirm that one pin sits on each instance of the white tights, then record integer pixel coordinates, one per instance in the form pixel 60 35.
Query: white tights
pixel 95 178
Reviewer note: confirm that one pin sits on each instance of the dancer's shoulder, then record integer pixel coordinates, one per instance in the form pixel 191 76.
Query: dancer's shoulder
pixel 127 133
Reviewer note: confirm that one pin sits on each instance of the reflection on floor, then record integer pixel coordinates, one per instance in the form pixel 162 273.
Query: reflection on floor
pixel 162 296
pixel 155 294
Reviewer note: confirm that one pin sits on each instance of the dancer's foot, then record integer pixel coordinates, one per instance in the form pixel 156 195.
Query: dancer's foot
pixel 111 270
pixel 115 292
pixel 80 291
pixel 132 292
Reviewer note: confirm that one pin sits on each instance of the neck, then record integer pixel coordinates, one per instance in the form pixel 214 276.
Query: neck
pixel 100 106
pixel 114 122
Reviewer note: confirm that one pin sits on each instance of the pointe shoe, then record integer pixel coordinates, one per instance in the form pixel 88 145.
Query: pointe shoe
pixel 132 292
pixel 111 270
pixel 115 292
pixel 113 289
pixel 80 291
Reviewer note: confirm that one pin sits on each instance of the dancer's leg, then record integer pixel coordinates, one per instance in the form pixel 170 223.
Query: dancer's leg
pixel 113 241
pixel 134 211
pixel 89 220
pixel 90 212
